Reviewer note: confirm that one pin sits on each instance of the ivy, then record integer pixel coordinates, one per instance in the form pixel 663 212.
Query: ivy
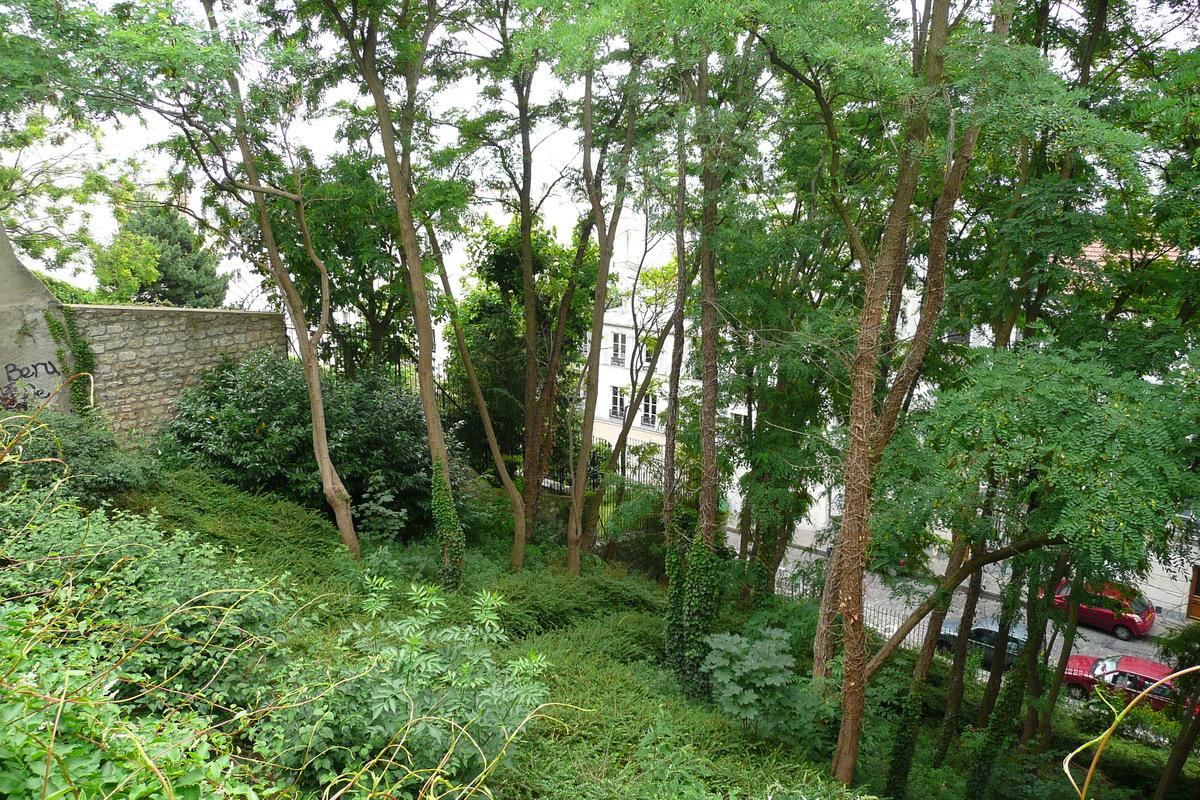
pixel 449 531
pixel 82 358
pixel 696 582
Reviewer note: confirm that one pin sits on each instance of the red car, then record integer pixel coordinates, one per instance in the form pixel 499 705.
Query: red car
pixel 1123 611
pixel 1127 673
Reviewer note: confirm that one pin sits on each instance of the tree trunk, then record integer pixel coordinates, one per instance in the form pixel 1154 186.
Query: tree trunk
pixel 670 478
pixel 605 233
pixel 515 500
pixel 1181 748
pixel 909 728
pixel 1056 681
pixel 952 719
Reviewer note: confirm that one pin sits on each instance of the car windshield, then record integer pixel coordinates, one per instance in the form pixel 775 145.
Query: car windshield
pixel 1140 605
pixel 1104 665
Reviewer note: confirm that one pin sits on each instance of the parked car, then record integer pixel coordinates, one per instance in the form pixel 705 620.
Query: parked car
pixel 1123 611
pixel 983 638
pixel 1122 673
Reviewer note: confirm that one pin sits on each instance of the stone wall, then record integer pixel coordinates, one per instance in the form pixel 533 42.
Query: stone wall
pixel 147 355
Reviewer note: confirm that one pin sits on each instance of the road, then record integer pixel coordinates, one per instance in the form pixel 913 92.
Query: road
pixel 888 603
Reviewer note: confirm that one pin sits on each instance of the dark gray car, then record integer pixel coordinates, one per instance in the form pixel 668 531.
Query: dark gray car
pixel 983 638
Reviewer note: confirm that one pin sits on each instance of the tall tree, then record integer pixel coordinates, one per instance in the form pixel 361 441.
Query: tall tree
pixel 193 85
pixel 389 50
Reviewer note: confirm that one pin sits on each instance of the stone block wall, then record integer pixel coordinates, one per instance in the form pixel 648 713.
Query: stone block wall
pixel 147 355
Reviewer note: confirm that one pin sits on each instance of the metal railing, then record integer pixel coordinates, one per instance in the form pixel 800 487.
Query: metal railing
pixel 806 578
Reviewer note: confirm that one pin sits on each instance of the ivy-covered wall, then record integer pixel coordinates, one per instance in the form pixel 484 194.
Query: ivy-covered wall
pixel 146 355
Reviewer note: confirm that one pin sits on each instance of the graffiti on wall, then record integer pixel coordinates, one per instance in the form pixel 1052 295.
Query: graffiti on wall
pixel 19 378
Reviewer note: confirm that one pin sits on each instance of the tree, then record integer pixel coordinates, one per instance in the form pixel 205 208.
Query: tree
pixel 126 266
pixel 1180 648
pixel 353 224
pixel 492 317
pixel 1077 467
pixel 187 270
pixel 192 83
pixel 389 50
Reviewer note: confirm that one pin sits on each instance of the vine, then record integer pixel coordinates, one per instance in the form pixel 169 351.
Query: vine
pixel 82 358
pixel 449 531
pixel 692 608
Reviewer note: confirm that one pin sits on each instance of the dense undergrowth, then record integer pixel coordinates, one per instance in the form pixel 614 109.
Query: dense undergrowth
pixel 201 641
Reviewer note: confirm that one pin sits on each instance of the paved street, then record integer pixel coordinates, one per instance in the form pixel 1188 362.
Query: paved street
pixel 887 605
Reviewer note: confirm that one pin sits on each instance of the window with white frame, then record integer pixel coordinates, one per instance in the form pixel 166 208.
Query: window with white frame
pixel 649 411
pixel 617 411
pixel 618 349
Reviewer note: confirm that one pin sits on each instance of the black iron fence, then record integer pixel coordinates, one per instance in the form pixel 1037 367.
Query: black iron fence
pixel 806 578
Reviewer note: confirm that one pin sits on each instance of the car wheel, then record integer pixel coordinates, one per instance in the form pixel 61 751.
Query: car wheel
pixel 1075 690
pixel 944 646
pixel 1122 633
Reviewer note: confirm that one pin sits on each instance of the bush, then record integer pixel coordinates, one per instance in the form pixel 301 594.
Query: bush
pixel 83 451
pixel 754 681
pixel 248 423
pixel 184 628
pixel 65 736
pixel 413 701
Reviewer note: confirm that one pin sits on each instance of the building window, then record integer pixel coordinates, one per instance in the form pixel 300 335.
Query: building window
pixel 739 421
pixel 618 350
pixel 617 411
pixel 649 411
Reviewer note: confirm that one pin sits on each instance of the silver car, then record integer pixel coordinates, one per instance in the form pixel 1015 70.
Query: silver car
pixel 983 638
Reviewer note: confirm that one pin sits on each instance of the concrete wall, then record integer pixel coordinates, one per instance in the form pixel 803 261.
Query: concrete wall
pixel 29 368
pixel 147 355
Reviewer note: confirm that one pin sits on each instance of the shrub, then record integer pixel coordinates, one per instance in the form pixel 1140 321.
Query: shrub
pixel 182 626
pixel 65 736
pixel 81 449
pixel 754 681
pixel 248 423
pixel 413 701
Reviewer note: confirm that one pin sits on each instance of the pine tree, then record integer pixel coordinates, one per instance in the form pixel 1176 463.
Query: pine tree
pixel 187 271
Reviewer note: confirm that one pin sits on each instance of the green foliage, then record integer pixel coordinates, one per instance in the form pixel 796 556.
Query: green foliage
pixel 413 701
pixel 1097 458
pixel 696 586
pixel 755 680
pixel 69 293
pixel 83 451
pixel 543 601
pixel 626 730
pixel 126 265
pixel 64 735
pixel 81 360
pixel 248 423
pixel 275 537
pixel 53 175
pixel 183 624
